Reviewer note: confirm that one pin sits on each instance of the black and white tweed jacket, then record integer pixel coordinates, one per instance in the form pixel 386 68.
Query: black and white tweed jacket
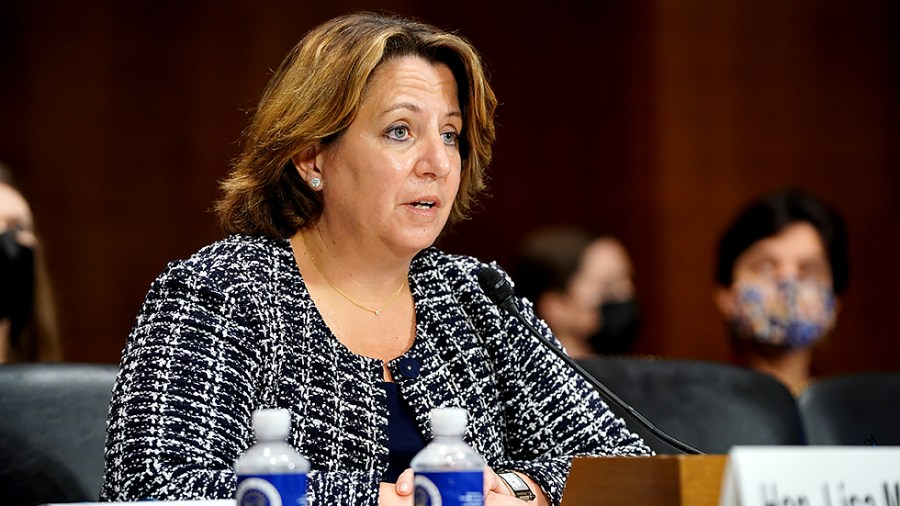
pixel 233 329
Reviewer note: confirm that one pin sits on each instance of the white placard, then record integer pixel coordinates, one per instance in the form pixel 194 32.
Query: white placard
pixel 811 476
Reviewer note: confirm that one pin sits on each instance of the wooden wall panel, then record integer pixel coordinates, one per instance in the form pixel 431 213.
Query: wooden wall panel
pixel 652 120
pixel 759 95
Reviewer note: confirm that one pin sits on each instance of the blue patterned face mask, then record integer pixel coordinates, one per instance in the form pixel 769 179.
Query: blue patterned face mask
pixel 788 314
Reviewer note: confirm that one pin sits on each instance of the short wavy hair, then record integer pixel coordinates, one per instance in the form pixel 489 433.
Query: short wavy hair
pixel 772 213
pixel 549 258
pixel 314 96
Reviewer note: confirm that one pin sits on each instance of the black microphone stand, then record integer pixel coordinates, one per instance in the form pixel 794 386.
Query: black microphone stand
pixel 494 290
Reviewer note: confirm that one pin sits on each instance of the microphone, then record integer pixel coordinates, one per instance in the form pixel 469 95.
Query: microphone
pixel 498 289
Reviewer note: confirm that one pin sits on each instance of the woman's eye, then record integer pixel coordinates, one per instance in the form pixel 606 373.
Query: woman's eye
pixel 398 133
pixel 450 138
pixel 764 267
pixel 815 270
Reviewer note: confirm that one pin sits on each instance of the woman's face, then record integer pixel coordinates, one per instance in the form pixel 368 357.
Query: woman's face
pixel 604 275
pixel 796 253
pixel 15 215
pixel 391 178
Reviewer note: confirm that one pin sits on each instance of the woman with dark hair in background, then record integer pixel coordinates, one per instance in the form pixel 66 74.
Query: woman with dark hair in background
pixel 782 264
pixel 581 284
pixel 28 330
pixel 28 333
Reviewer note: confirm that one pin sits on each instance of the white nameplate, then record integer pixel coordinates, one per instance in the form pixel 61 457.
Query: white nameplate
pixel 811 476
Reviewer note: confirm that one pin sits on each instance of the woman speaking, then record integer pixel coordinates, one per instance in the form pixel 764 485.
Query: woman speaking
pixel 328 299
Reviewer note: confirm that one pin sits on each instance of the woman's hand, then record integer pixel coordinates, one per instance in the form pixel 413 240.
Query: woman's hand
pixel 397 494
pixel 496 491
pixel 498 494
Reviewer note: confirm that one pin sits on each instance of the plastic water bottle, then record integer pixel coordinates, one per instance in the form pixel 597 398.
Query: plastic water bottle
pixel 448 472
pixel 271 472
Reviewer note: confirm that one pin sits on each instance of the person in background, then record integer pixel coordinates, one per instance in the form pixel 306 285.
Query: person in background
pixel 329 300
pixel 27 334
pixel 581 284
pixel 28 329
pixel 782 266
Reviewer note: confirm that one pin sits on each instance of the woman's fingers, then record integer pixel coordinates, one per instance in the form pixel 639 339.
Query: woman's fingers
pixel 405 483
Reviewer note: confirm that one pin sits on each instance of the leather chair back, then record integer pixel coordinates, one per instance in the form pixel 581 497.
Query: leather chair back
pixel 709 405
pixel 53 428
pixel 853 409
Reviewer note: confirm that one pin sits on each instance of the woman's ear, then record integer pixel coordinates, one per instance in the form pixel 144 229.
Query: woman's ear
pixel 551 307
pixel 307 163
pixel 723 301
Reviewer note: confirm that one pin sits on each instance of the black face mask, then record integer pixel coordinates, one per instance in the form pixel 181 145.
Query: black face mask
pixel 16 282
pixel 619 328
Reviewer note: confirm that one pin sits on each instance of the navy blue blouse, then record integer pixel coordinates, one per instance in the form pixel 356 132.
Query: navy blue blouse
pixel 404 439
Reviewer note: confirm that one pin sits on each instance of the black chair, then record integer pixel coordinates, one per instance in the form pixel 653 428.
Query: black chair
pixel 853 409
pixel 53 430
pixel 708 405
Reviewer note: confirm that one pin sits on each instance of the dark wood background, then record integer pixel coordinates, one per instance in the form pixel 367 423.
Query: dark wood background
pixel 652 120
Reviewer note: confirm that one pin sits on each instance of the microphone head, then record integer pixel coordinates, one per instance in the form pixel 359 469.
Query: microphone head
pixel 496 287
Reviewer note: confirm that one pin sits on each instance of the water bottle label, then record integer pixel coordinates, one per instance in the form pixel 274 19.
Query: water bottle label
pixel 271 490
pixel 450 488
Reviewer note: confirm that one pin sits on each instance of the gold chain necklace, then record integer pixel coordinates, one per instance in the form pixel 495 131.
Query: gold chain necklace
pixel 334 257
pixel 343 294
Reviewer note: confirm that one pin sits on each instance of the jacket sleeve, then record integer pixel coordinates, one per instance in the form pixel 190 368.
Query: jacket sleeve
pixel 552 413
pixel 192 373
pixel 185 385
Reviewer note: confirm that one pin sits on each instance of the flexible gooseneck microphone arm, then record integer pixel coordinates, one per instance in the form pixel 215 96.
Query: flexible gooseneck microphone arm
pixel 498 289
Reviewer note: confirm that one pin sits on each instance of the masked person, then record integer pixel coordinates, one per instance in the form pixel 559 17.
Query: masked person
pixel 581 285
pixel 782 264
pixel 27 316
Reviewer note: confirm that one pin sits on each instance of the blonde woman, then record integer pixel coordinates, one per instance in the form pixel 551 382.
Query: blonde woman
pixel 329 300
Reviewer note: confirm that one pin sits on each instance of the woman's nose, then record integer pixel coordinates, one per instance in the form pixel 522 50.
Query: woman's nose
pixel 788 271
pixel 436 159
